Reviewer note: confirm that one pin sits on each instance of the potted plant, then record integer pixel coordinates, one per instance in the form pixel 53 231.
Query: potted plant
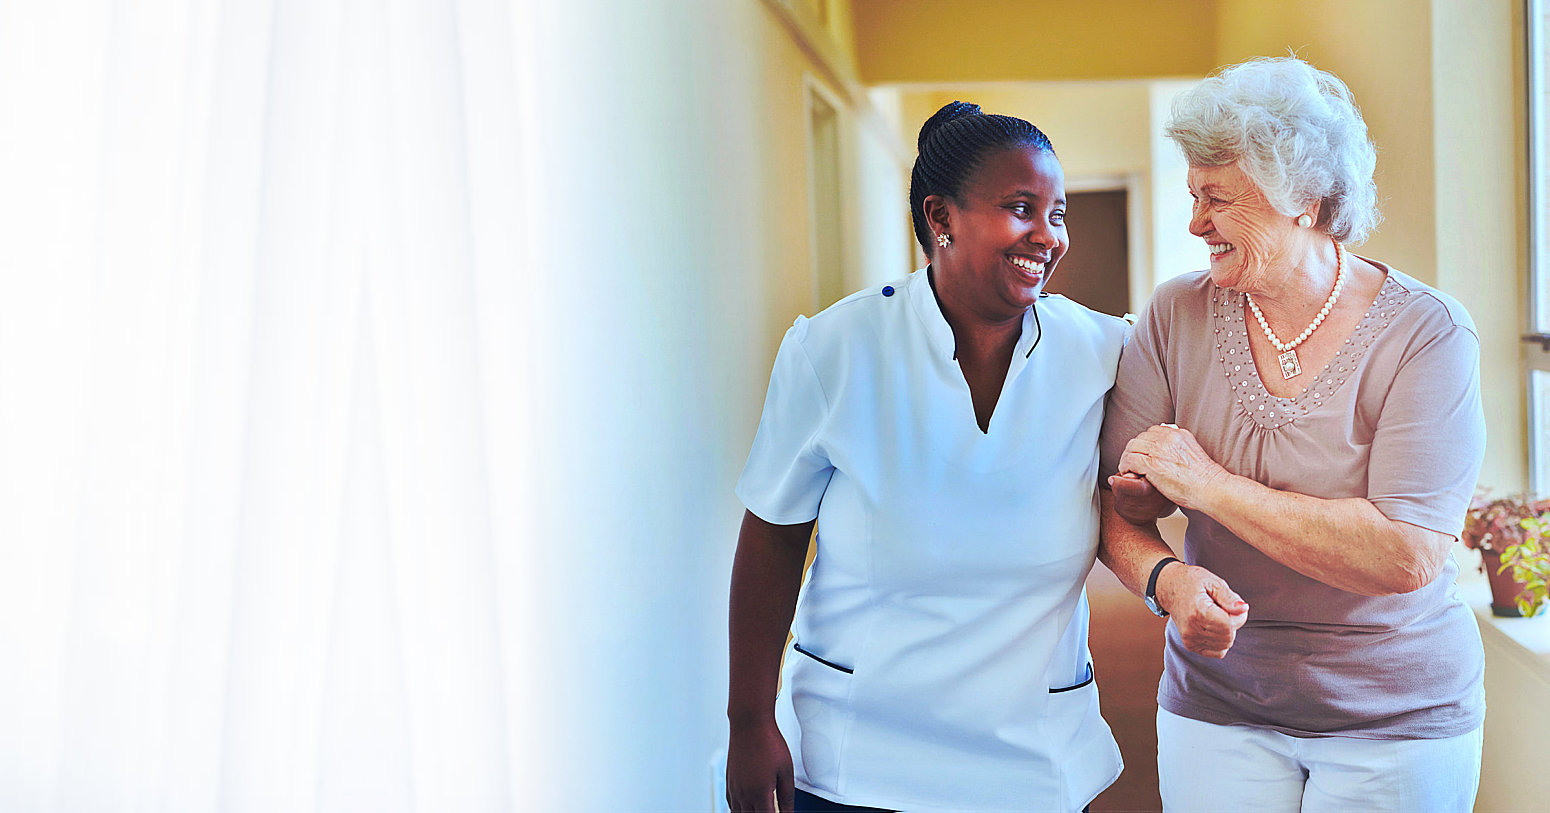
pixel 1513 537
pixel 1529 562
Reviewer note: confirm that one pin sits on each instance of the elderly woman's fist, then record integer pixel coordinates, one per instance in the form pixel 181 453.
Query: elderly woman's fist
pixel 1206 611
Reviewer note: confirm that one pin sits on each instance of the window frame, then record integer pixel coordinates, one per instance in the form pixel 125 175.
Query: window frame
pixel 1536 360
pixel 1535 64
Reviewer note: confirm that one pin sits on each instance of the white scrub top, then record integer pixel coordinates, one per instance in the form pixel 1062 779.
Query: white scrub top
pixel 940 659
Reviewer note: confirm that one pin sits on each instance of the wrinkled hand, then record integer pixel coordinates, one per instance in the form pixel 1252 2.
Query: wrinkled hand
pixel 759 770
pixel 1138 501
pixel 1206 611
pixel 1172 461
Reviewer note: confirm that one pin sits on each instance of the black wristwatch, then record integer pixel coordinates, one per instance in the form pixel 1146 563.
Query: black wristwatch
pixel 1151 587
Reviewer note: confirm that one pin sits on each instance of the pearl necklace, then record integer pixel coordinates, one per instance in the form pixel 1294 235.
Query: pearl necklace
pixel 1290 367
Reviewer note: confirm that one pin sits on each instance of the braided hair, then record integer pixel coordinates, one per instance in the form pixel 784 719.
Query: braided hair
pixel 953 143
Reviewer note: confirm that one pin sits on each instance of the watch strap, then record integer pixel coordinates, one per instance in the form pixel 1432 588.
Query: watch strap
pixel 1151 584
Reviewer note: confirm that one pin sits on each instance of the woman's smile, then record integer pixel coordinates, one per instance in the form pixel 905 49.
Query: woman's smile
pixel 1031 269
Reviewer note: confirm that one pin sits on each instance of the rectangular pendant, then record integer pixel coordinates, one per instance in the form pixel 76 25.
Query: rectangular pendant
pixel 1289 364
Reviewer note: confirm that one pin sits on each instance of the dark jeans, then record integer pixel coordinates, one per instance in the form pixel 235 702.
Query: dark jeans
pixel 808 803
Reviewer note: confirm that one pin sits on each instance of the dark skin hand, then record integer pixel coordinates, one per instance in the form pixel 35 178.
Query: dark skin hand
pixel 766 577
pixel 1138 501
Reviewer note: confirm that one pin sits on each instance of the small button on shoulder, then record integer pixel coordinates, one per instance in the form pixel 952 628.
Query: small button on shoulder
pixel 887 290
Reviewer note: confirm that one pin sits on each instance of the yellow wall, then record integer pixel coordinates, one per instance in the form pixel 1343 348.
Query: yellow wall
pixel 1381 49
pixel 998 40
pixel 1480 204
pixel 841 26
pixel 1098 128
pixel 1481 226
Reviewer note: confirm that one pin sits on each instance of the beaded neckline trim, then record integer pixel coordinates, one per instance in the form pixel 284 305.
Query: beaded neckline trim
pixel 1270 411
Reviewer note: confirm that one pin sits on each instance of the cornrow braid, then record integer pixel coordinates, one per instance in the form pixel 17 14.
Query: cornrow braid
pixel 953 143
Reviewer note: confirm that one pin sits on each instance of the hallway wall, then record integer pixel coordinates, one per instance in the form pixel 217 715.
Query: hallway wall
pixel 1381 50
pixel 670 211
pixel 904 41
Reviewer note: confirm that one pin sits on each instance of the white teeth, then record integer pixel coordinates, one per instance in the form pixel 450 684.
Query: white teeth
pixel 1220 248
pixel 1030 265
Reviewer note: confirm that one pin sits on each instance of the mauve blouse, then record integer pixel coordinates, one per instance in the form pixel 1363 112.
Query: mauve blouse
pixel 1396 418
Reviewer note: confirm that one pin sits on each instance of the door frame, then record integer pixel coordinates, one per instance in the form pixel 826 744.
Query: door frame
pixel 1137 233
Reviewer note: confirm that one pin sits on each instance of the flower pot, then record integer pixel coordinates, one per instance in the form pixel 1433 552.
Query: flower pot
pixel 1504 588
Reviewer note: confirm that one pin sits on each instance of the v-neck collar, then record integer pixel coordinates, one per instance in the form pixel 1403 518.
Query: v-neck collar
pixel 923 300
pixel 939 333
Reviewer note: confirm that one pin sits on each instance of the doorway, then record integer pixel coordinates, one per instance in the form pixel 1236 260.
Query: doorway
pixel 1096 268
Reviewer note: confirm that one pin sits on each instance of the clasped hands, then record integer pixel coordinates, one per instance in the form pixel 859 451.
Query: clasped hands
pixel 1164 464
pixel 1161 468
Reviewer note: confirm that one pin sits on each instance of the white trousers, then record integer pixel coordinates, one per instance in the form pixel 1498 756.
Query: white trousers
pixel 1207 767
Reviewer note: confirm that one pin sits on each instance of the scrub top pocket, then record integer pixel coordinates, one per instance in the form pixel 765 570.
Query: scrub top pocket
pixel 1086 681
pixel 820 692
pixel 831 664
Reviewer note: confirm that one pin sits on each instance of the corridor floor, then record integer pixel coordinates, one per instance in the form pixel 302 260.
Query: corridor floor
pixel 1126 642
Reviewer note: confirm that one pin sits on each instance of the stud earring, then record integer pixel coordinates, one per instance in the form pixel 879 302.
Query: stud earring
pixel 944 239
pixel 1304 220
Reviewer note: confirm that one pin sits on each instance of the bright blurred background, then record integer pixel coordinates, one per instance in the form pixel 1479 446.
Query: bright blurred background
pixel 374 374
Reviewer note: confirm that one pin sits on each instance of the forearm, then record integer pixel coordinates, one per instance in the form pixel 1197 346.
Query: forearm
pixel 1127 548
pixel 766 578
pixel 1205 610
pixel 1345 543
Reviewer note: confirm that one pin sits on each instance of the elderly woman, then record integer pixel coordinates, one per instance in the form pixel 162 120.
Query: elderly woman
pixel 941 431
pixel 1316 414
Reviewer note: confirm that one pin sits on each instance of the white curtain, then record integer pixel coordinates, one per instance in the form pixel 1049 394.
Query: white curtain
pixel 265 427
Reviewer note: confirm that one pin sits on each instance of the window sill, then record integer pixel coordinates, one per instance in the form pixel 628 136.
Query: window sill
pixel 1525 640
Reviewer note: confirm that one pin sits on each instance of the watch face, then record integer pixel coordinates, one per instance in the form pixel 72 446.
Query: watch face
pixel 1151 604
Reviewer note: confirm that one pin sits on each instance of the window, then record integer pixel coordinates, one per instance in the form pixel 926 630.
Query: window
pixel 1538 361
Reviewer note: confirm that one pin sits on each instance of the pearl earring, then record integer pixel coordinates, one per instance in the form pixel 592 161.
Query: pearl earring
pixel 1304 220
pixel 944 240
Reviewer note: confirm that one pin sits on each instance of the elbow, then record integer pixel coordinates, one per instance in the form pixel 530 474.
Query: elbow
pixel 1417 557
pixel 1411 575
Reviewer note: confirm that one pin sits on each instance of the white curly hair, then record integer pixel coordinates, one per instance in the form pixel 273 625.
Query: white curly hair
pixel 1294 130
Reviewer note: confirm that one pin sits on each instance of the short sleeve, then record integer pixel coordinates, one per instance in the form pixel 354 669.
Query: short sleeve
pixel 1141 396
pixel 786 475
pixel 1429 442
